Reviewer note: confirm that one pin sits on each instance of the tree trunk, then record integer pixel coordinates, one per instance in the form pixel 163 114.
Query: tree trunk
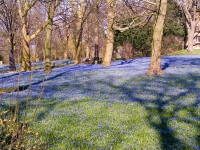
pixel 26 63
pixel 77 55
pixel 191 32
pixel 66 48
pixel 96 40
pixel 77 46
pixel 79 24
pixel 110 36
pixel 48 48
pixel 87 52
pixel 36 50
pixel 155 64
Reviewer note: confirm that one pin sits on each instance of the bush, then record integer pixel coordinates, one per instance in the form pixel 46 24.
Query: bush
pixel 140 38
pixel 14 134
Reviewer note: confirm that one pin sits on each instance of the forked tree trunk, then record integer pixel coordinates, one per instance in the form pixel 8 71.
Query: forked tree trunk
pixel 155 64
pixel 26 38
pixel 110 34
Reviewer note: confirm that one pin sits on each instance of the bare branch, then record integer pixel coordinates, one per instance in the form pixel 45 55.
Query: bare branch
pixel 152 3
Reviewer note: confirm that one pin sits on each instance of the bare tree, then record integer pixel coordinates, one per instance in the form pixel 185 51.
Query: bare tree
pixel 80 10
pixel 189 8
pixel 51 9
pixel 9 22
pixel 24 8
pixel 123 18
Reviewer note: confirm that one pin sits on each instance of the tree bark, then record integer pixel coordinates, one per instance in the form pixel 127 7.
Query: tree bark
pixel 79 24
pixel 96 40
pixel 191 32
pixel 110 34
pixel 77 47
pixel 26 63
pixel 48 48
pixel 189 8
pixel 52 6
pixel 26 38
pixel 155 64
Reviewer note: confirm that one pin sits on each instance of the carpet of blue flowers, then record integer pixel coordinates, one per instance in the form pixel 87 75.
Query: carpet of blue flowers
pixel 119 107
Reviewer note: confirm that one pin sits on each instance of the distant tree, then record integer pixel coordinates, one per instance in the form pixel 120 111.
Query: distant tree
pixel 80 11
pixel 122 16
pixel 9 21
pixel 96 40
pixel 52 6
pixel 189 8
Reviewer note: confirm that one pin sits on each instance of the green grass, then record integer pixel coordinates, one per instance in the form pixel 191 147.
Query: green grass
pixel 185 52
pixel 86 124
pixel 8 90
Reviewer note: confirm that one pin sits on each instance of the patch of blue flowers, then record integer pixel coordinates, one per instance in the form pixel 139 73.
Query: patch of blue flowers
pixel 123 81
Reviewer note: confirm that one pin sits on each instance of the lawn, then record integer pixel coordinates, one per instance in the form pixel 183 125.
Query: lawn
pixel 185 52
pixel 118 107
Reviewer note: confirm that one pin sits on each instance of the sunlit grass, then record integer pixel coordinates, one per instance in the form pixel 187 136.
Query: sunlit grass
pixel 185 52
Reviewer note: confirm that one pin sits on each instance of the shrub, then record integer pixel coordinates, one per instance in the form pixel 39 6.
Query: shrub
pixel 13 134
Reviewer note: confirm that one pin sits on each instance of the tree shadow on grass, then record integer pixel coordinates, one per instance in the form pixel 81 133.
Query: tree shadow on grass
pixel 164 107
pixel 171 101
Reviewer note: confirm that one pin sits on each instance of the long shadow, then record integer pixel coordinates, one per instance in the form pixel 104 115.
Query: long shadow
pixel 8 76
pixel 174 61
pixel 167 133
pixel 51 77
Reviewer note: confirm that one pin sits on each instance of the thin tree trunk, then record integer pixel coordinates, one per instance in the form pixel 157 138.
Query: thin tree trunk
pixel 48 48
pixel 155 64
pixel 87 44
pixel 77 48
pixel 87 52
pixel 79 24
pixel 66 48
pixel 96 40
pixel 52 6
pixel 66 38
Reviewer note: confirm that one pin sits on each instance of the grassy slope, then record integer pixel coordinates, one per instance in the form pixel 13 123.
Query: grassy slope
pixel 153 120
pixel 114 109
